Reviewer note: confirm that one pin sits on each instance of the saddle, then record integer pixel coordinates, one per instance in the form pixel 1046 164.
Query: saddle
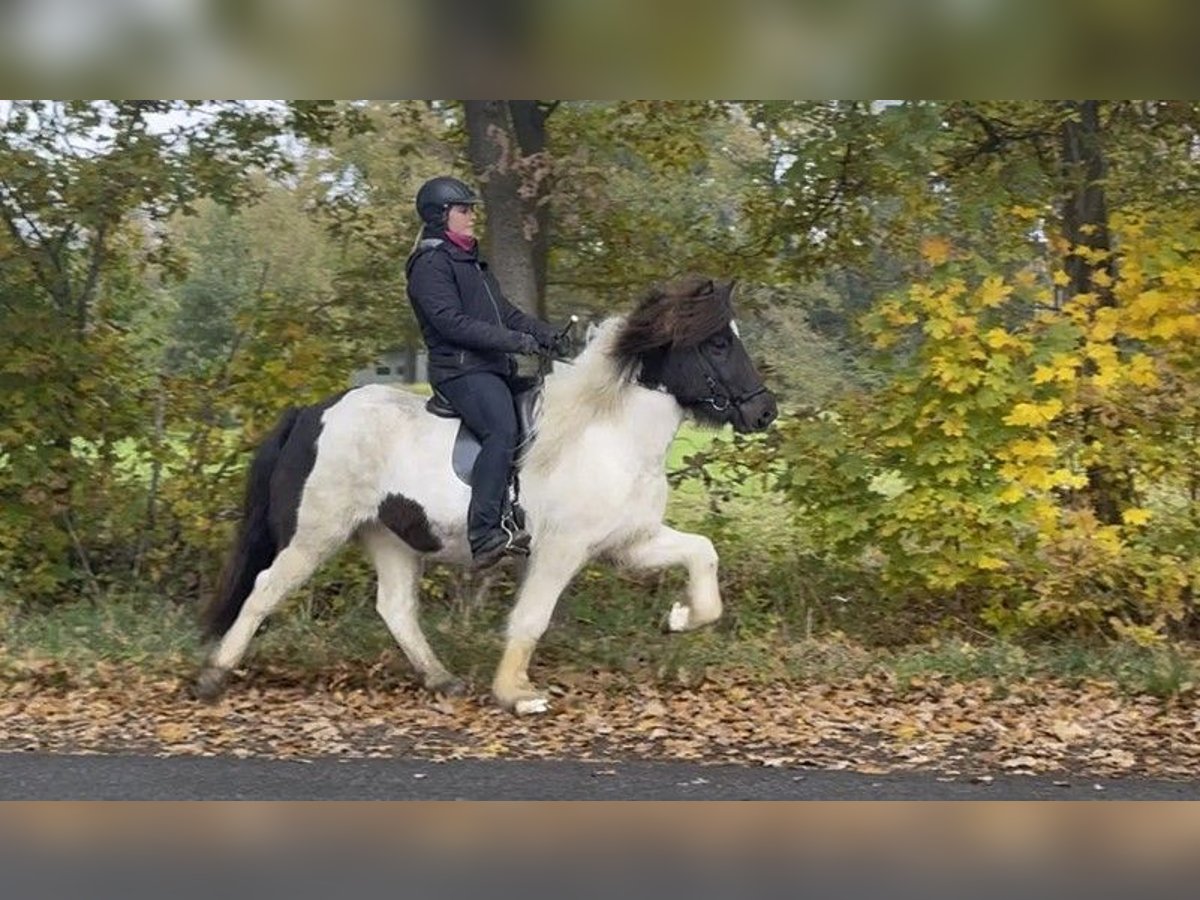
pixel 527 397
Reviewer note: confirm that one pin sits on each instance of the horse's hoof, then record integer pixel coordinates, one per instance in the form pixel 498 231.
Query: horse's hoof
pixel 677 618
pixel 532 706
pixel 524 702
pixel 448 687
pixel 681 619
pixel 210 684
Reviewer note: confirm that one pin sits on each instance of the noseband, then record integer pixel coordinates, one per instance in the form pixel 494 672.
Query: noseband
pixel 719 398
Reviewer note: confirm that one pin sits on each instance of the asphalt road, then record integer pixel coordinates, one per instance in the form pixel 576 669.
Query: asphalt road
pixel 37 776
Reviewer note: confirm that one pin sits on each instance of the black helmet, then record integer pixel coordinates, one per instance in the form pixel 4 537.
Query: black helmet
pixel 437 194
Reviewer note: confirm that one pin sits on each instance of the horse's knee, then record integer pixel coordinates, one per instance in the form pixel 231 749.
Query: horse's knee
pixel 529 622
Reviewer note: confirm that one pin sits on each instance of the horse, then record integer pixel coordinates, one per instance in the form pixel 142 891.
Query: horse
pixel 374 464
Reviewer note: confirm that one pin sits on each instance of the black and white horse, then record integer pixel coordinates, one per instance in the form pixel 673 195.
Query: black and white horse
pixel 375 465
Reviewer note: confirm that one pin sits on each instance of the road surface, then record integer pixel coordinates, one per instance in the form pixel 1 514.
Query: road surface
pixel 38 776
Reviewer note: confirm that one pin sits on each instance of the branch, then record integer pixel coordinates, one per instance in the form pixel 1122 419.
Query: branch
pixel 10 220
pixel 89 286
pixel 93 584
pixel 999 134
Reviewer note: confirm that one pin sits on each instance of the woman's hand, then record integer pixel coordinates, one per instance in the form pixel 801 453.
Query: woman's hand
pixel 531 346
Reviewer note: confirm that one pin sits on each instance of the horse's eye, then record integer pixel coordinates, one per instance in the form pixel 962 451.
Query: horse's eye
pixel 720 342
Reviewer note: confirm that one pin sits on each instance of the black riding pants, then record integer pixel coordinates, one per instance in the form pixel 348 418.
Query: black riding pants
pixel 484 400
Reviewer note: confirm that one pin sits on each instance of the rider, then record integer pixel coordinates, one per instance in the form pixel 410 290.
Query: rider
pixel 470 329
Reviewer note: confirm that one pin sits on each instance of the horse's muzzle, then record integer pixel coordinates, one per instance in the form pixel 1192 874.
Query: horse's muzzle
pixel 756 412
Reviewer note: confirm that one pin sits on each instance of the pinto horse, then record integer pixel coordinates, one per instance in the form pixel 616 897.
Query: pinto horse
pixel 374 464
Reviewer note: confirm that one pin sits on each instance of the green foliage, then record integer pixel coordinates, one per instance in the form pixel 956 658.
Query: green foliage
pixel 173 276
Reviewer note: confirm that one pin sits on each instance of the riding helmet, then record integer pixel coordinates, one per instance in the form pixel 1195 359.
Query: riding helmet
pixel 438 194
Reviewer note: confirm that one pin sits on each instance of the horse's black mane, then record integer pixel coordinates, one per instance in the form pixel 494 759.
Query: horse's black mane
pixel 681 314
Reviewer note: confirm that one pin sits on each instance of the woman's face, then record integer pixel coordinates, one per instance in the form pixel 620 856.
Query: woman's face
pixel 461 219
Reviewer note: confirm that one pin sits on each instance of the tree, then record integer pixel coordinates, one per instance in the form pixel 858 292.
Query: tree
pixel 85 188
pixel 507 146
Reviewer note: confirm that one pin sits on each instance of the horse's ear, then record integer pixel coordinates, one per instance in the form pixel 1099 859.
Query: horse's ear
pixel 730 287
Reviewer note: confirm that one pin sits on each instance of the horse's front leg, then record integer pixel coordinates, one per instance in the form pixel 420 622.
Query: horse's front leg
pixel 552 565
pixel 668 547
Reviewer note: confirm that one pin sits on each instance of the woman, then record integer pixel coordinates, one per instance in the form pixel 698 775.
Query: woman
pixel 470 330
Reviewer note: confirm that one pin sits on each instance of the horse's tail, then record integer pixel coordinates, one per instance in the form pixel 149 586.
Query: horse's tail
pixel 255 547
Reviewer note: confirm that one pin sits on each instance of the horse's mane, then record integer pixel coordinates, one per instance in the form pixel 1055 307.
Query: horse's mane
pixel 681 314
pixel 592 387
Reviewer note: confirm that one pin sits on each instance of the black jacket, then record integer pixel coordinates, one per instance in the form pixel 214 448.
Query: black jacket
pixel 467 323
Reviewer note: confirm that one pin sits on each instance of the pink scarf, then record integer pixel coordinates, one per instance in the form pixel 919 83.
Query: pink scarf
pixel 462 241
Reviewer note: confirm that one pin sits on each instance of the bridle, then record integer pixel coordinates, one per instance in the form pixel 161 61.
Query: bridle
pixel 718 397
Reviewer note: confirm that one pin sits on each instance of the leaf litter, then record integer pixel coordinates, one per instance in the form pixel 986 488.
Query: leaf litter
pixel 869 725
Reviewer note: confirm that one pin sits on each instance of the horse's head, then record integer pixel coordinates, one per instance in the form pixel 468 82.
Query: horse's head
pixel 682 339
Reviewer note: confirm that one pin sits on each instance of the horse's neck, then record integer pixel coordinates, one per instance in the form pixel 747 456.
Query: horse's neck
pixel 651 422
pixel 635 424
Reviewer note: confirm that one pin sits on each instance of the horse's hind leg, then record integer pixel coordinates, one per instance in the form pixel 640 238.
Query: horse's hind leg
pixel 292 566
pixel 551 568
pixel 668 547
pixel 398 567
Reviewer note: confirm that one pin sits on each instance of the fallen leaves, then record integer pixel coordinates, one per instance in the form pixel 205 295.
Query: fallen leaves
pixel 870 725
pixel 1069 732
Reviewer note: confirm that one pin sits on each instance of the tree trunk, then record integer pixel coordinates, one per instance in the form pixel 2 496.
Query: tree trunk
pixel 1085 225
pixel 529 125
pixel 514 243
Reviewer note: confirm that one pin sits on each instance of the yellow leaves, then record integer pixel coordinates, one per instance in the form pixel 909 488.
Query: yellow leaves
pixel 935 250
pixel 1045 515
pixel 1166 329
pixel 1148 636
pixel 1104 325
pixel 1061 278
pixel 939 304
pixel 1141 371
pixel 884 340
pixel 1108 539
pixel 1067 479
pixel 994 292
pixel 1135 516
pixel 1184 277
pixel 894 315
pixel 1108 363
pixel 999 339
pixel 991 563
pixel 954 427
pixel 1167 316
pixel 1035 414
pixel 1145 306
pixel 1062 369
pixel 954 375
pixel 1025 450
pixel 1040 477
pixel 1012 493
pixel 1028 213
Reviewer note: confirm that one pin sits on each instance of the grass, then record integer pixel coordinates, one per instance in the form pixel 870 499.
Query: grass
pixel 620 636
